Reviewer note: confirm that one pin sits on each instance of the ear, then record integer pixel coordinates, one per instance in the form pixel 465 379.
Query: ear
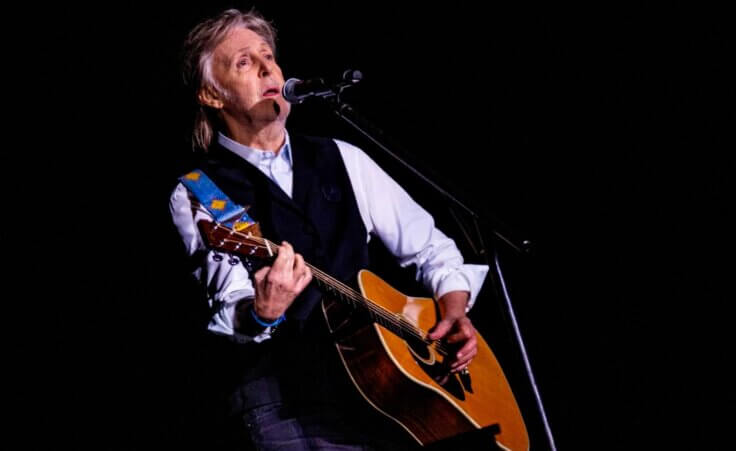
pixel 208 96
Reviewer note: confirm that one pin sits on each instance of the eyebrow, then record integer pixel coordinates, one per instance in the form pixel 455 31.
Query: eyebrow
pixel 234 55
pixel 229 59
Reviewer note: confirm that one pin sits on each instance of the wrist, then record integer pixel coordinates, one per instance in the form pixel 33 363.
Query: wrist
pixel 454 304
pixel 265 322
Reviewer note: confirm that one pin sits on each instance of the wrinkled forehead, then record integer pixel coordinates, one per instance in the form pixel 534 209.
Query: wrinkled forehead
pixel 237 41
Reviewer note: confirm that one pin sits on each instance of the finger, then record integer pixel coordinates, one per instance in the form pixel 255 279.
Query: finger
pixel 470 347
pixel 285 257
pixel 464 360
pixel 260 275
pixel 440 329
pixel 304 279
pixel 299 265
pixel 461 367
pixel 463 331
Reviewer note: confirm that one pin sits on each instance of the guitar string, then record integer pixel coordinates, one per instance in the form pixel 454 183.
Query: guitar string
pixel 330 281
pixel 353 295
pixel 388 316
pixel 399 322
pixel 347 291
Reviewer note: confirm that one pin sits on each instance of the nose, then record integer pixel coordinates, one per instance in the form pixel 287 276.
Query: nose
pixel 265 69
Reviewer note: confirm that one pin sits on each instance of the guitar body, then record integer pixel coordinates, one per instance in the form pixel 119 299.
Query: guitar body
pixel 396 376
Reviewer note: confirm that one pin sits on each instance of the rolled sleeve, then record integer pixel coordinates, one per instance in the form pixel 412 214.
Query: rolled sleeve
pixel 468 278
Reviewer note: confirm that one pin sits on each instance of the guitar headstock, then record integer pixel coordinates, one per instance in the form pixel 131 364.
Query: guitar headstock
pixel 247 242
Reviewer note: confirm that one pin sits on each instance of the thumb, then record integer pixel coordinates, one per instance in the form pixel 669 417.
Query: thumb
pixel 440 329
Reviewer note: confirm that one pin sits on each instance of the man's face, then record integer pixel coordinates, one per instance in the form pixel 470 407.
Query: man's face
pixel 244 66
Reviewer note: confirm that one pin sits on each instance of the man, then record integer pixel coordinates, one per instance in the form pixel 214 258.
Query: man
pixel 322 200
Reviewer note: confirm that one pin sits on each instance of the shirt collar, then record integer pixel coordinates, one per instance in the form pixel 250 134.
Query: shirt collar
pixel 256 156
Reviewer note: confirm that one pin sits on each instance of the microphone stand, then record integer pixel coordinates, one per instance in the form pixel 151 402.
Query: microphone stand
pixel 523 247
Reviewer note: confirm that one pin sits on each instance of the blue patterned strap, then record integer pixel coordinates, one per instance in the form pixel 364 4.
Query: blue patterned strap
pixel 224 210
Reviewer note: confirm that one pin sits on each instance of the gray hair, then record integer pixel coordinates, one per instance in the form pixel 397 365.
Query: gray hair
pixel 197 55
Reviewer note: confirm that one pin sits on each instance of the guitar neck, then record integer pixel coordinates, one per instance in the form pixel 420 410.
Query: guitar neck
pixel 394 322
pixel 248 245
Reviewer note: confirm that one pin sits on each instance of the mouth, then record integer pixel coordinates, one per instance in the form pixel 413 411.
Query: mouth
pixel 271 92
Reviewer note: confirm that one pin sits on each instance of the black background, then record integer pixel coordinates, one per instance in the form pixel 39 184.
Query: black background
pixel 602 134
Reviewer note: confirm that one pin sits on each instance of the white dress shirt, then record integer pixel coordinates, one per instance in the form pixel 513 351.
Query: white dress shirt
pixel 388 212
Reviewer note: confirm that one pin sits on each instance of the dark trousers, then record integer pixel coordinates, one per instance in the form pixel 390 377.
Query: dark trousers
pixel 317 427
pixel 293 394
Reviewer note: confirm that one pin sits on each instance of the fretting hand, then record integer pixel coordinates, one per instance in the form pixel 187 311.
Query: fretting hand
pixel 278 285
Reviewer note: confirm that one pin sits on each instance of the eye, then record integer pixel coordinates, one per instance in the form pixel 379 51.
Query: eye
pixel 268 56
pixel 242 62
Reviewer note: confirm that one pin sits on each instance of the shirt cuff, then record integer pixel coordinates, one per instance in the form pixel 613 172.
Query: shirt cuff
pixel 224 322
pixel 466 278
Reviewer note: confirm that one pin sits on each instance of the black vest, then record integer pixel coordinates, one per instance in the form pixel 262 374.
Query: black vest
pixel 321 220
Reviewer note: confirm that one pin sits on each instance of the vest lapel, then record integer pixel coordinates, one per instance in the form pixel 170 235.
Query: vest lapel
pixel 306 177
pixel 251 174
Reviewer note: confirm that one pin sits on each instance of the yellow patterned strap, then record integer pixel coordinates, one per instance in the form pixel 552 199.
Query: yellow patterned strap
pixel 215 201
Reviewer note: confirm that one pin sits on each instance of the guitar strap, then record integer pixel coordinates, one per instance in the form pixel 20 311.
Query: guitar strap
pixel 211 197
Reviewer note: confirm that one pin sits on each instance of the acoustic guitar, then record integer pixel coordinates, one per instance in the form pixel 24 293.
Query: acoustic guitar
pixel 392 363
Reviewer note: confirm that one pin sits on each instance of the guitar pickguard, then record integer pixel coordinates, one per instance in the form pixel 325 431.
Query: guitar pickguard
pixel 436 370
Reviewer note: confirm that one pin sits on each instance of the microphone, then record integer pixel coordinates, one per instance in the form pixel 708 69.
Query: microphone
pixel 296 90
